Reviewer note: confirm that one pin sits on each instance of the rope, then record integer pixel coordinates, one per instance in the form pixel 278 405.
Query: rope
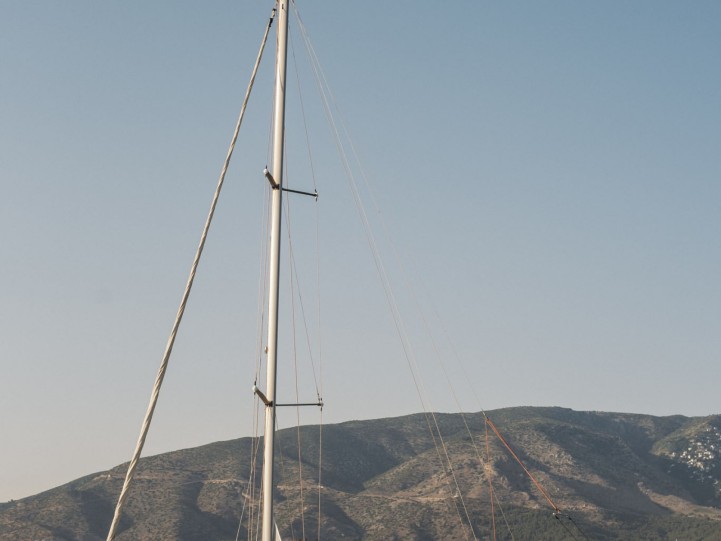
pixel 292 284
pixel 318 386
pixel 556 509
pixel 181 310
pixel 490 485
pixel 249 499
pixel 327 98
pixel 319 379
pixel 294 276
pixel 441 447
pixel 439 359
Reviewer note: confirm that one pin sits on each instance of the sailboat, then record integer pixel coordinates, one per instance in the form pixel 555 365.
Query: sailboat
pixel 267 395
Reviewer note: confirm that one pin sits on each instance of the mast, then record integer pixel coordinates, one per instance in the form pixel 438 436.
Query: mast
pixel 272 344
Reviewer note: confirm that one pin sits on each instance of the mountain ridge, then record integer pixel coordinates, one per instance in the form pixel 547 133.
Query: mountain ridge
pixel 617 475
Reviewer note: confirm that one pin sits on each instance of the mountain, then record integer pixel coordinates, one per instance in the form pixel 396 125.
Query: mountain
pixel 616 475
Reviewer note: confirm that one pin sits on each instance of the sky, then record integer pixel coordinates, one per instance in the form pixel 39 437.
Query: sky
pixel 542 181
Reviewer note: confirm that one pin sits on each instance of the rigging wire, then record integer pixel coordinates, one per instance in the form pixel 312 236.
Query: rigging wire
pixel 291 281
pixel 294 276
pixel 254 489
pixel 430 334
pixel 438 356
pixel 570 519
pixel 558 517
pixel 281 460
pixel 295 290
pixel 494 501
pixel 545 494
pixel 290 247
pixel 327 97
pixel 262 303
pixel 556 509
pixel 490 485
pixel 439 359
pixel 393 305
pixel 400 326
pixel 263 278
pixel 385 281
pixel 181 310
pixel 249 497
pixel 318 379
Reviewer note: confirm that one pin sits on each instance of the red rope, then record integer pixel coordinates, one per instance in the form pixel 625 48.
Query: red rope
pixel 530 475
pixel 490 485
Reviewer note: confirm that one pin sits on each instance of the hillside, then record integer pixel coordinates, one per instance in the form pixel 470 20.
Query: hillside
pixel 618 476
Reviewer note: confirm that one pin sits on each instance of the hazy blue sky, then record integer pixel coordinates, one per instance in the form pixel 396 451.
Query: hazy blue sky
pixel 549 174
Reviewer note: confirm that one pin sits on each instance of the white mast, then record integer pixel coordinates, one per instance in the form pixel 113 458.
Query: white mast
pixel 277 192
